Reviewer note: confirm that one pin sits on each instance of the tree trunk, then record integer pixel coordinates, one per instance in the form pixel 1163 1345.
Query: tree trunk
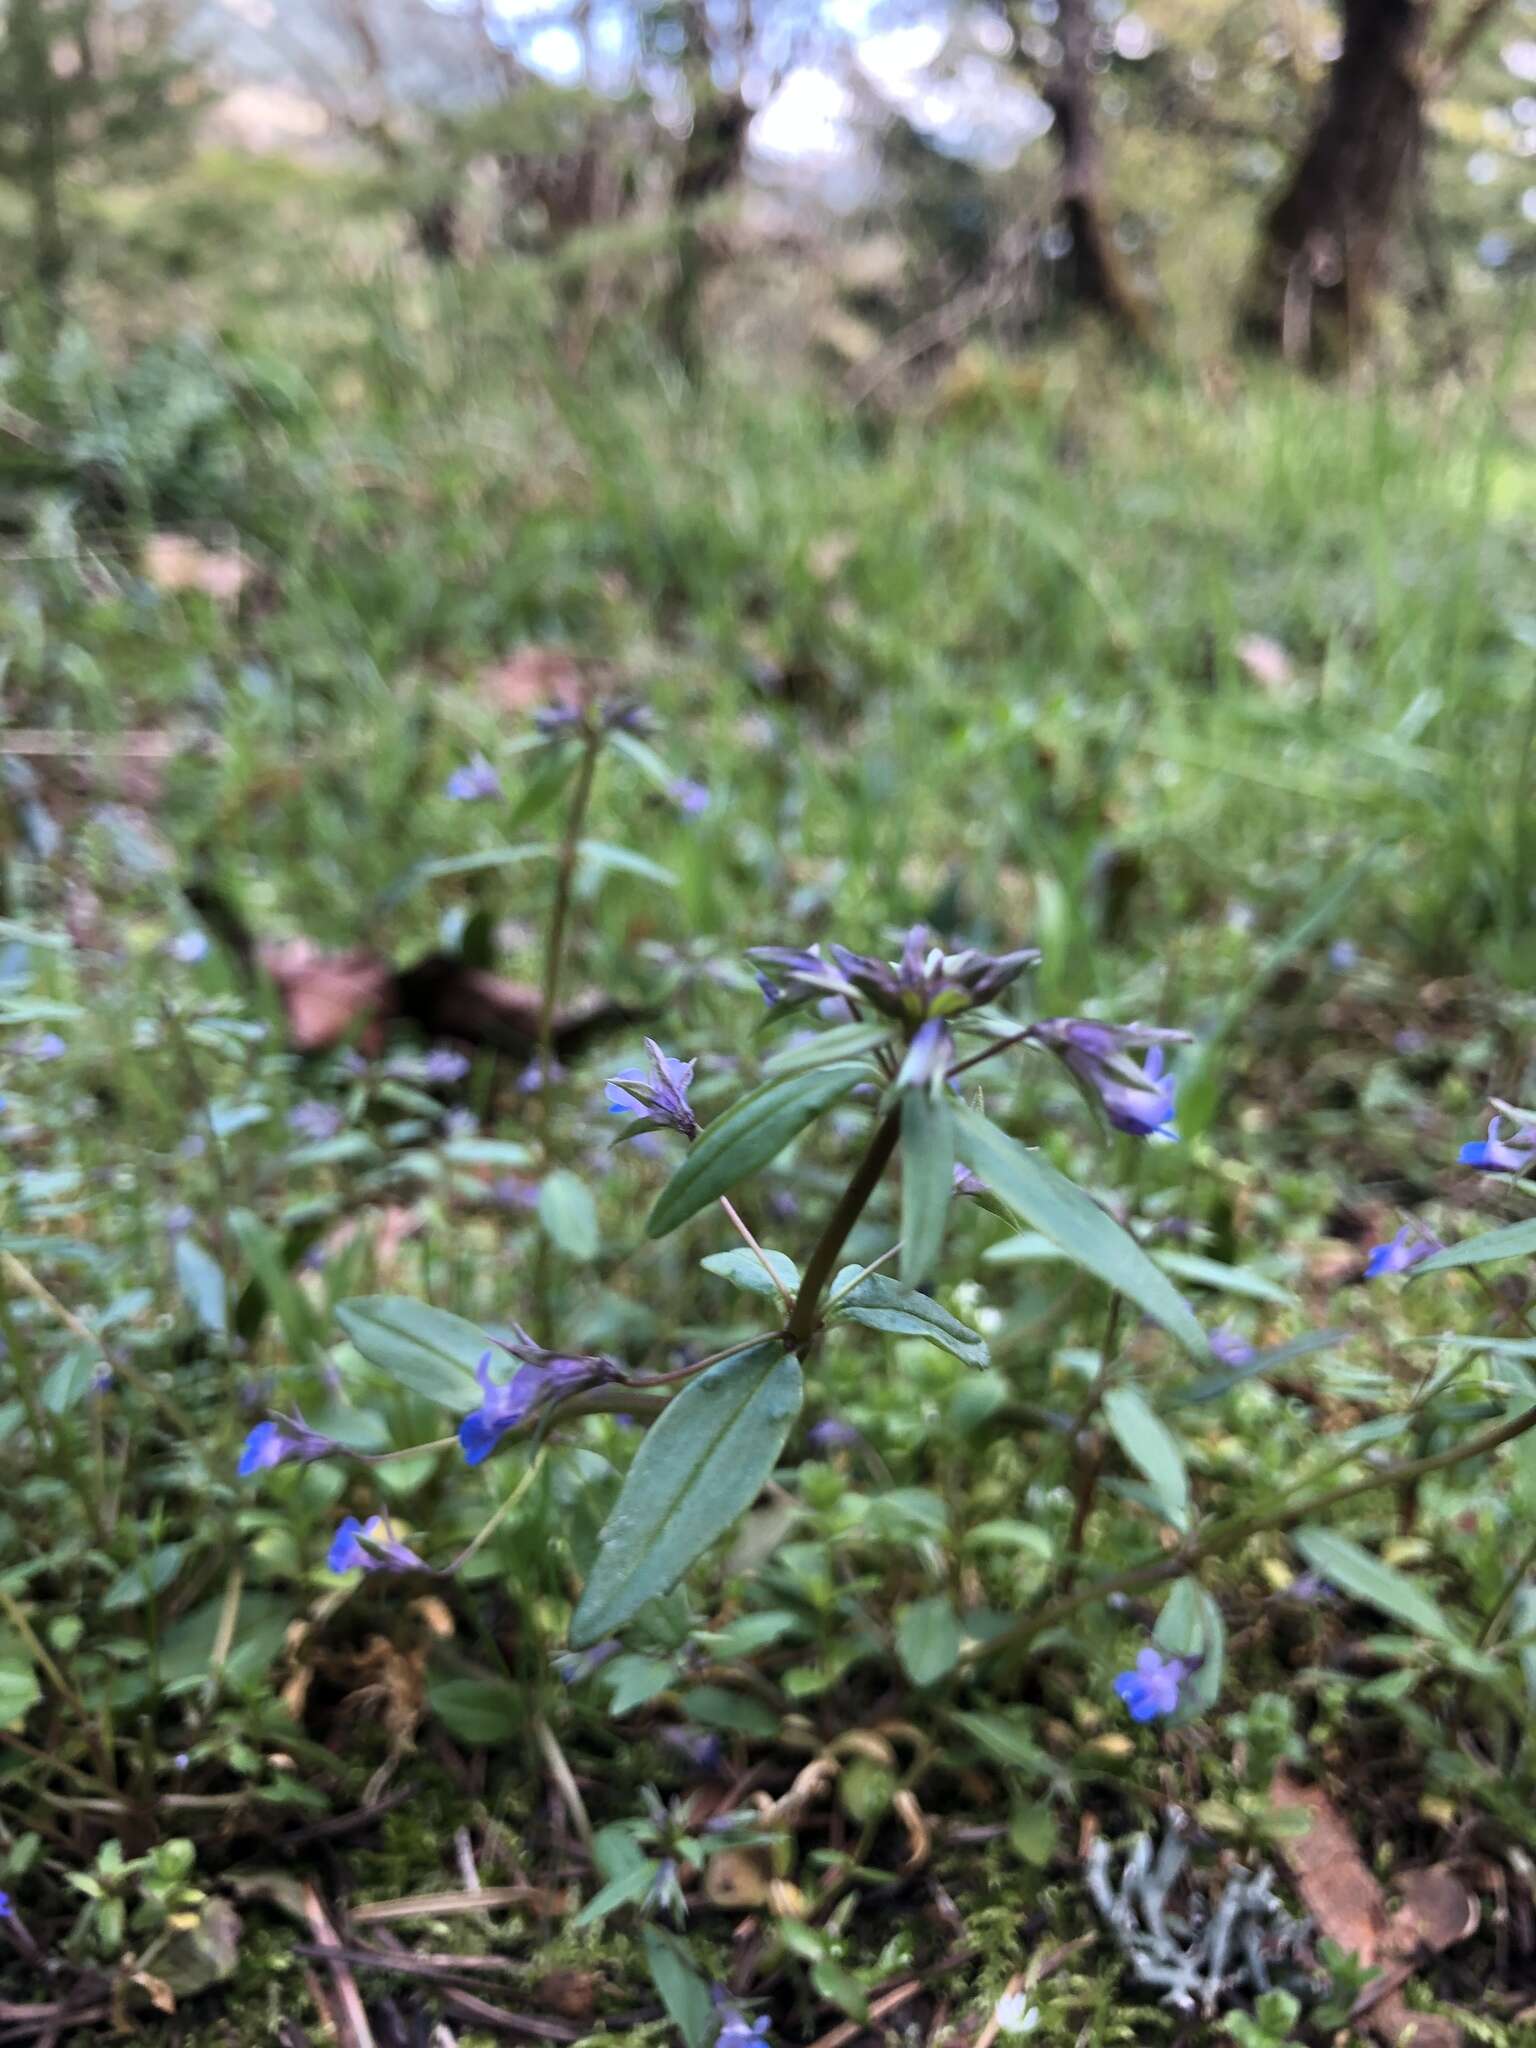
pixel 712 162
pixel 1097 278
pixel 31 32
pixel 1323 244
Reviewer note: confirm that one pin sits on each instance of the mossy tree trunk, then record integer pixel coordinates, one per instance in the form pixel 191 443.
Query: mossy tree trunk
pixel 1096 274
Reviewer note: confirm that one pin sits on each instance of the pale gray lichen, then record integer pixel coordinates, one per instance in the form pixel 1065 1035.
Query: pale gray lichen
pixel 1203 1957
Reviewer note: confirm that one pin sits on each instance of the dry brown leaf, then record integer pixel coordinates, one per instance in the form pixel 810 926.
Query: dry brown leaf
pixel 530 677
pixel 809 1784
pixel 738 1879
pixel 1350 1907
pixel 915 1821
pixel 396 1226
pixel 174 561
pixel 328 998
pixel 866 1743
pixel 435 1616
pixel 572 1993
pixel 390 1685
pixel 159 1993
pixel 1265 660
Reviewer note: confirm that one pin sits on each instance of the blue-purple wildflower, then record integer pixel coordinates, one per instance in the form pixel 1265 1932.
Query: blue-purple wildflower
pixel 476 782
pixel 314 1121
pixel 443 1066
pixel 1138 1099
pixel 1497 1154
pixel 659 1098
pixel 926 982
pixel 736 2030
pixel 179 1219
pixel 573 1666
pixel 542 1377
pixel 347 1552
pixel 1401 1253
pixel 623 714
pixel 700 1747
pixel 690 797
pixel 280 1441
pixel 7 1910
pixel 189 946
pixel 832 1433
pixel 1152 1687
pixel 1230 1347
pixel 48 1045
pixel 928 1056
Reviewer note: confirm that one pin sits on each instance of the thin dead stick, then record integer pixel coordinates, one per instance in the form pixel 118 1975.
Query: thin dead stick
pixel 438 1905
pixel 353 2014
pixel 565 1783
pixel 850 2030
pixel 133 746
pixel 890 2001
pixel 994 2026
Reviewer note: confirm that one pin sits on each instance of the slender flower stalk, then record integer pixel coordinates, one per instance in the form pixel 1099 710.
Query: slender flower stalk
pixel 565 877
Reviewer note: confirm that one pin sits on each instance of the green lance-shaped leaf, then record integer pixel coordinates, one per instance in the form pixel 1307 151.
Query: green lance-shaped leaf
pixel 880 1303
pixel 1344 1564
pixel 842 1042
pixel 701 1465
pixel 682 1990
pixel 928 1640
pixel 1514 1241
pixel 754 1275
pixel 201 1280
pixel 425 1349
pixel 479 1710
pixel 1191 1626
pixel 569 1214
pixel 1050 1203
pixel 750 1133
pixel 927 1181
pixel 1196 1271
pixel 1152 1448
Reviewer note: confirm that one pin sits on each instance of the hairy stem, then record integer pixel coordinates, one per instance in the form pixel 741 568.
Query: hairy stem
pixel 850 1207
pixel 1088 1449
